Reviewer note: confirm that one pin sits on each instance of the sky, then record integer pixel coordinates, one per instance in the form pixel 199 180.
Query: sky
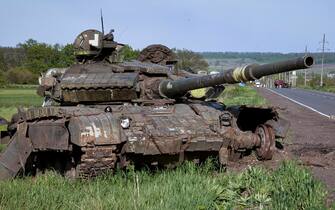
pixel 198 25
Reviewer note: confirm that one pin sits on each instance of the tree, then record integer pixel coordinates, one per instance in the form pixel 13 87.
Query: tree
pixel 67 57
pixel 128 53
pixel 3 65
pixel 21 75
pixel 190 61
pixel 3 79
pixel 12 57
pixel 40 56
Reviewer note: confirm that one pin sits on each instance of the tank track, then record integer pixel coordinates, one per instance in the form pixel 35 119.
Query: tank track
pixel 96 160
pixel 84 162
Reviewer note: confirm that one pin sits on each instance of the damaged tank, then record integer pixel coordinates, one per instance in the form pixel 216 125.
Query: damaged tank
pixel 101 114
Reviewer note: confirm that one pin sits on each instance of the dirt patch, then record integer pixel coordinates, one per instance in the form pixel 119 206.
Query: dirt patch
pixel 311 138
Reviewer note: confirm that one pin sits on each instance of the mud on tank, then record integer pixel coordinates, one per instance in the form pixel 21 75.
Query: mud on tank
pixel 100 114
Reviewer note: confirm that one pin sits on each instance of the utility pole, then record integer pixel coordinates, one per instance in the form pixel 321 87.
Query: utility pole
pixel 322 58
pixel 305 82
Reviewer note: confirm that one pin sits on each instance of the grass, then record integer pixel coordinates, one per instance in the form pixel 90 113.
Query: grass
pixel 6 112
pixel 236 95
pixel 23 97
pixel 17 96
pixel 330 89
pixel 18 86
pixel 187 187
pixel 288 187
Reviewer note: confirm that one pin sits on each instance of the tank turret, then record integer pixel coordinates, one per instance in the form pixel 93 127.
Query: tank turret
pixel 92 45
pixel 103 82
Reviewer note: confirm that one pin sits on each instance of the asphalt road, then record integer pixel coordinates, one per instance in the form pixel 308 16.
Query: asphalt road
pixel 321 102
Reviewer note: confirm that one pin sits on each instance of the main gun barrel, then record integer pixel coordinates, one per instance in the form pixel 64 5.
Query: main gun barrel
pixel 172 89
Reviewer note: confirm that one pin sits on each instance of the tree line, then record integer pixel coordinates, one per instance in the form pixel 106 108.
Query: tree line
pixel 24 63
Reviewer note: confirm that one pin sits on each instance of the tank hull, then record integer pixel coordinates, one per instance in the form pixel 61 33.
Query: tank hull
pixel 86 141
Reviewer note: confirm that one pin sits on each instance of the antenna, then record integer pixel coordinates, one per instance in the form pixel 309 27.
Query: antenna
pixel 102 22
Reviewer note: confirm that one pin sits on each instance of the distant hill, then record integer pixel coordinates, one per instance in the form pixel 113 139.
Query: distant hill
pixel 219 61
pixel 261 57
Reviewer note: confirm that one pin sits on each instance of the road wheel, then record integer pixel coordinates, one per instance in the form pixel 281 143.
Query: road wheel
pixel 267 138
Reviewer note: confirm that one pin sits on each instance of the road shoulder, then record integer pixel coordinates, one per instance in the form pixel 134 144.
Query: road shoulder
pixel 311 139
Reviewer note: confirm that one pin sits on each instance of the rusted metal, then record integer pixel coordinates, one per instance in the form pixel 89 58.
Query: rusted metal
pixel 4 137
pixel 15 156
pixel 48 135
pixel 157 53
pixel 267 142
pixel 96 160
pixel 112 114
pixel 102 129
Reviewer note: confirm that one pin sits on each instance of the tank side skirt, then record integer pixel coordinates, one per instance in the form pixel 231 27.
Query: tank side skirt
pixel 14 158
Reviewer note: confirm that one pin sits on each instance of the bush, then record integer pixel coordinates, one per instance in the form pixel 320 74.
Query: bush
pixel 127 53
pixel 21 76
pixel 190 61
pixel 3 79
pixel 236 95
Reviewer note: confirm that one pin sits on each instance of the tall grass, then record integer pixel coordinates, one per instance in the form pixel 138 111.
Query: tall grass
pixel 288 187
pixel 187 187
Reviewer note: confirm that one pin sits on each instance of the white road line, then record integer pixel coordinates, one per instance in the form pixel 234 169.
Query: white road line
pixel 301 104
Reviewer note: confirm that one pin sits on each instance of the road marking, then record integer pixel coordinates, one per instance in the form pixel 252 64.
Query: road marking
pixel 301 104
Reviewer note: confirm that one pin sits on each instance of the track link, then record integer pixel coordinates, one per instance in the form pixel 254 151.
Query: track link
pixel 96 160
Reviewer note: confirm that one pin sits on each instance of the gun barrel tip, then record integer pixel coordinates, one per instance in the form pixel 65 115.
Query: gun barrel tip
pixel 309 61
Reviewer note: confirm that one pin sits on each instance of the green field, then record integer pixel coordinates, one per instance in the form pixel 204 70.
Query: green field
pixel 188 187
pixel 13 98
pixel 23 97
